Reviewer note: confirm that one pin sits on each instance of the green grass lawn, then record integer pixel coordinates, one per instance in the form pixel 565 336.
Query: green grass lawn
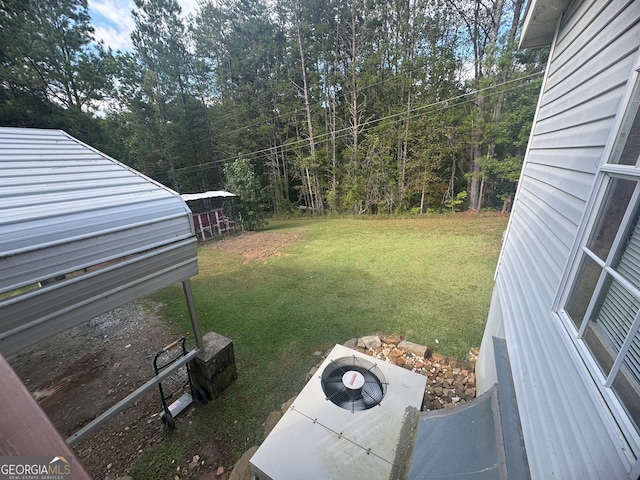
pixel 428 279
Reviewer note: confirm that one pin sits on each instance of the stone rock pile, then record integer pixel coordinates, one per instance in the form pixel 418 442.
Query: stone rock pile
pixel 449 383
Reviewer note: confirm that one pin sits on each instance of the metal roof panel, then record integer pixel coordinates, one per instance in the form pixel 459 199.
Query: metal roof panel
pixel 69 212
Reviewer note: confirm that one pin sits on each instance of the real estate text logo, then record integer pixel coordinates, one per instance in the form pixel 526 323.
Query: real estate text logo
pixel 35 468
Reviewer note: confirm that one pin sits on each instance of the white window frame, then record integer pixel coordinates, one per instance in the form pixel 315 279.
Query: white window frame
pixel 613 413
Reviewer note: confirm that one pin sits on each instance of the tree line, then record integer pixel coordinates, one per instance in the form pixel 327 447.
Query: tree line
pixel 352 106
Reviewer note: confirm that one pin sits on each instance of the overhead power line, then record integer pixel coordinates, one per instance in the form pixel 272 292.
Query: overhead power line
pixel 345 132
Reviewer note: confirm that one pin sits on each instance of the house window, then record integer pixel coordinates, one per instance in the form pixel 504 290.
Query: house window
pixel 602 307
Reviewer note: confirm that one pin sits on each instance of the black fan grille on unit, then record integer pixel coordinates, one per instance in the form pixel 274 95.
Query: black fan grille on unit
pixel 367 390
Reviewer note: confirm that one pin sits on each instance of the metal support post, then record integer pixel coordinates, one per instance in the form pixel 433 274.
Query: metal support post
pixel 195 324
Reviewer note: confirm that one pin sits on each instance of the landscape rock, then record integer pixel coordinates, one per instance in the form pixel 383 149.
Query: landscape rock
pixel 371 342
pixel 312 372
pixel 242 469
pixel 436 357
pixel 391 339
pixel 272 419
pixel 352 344
pixel 395 353
pixel 413 348
pixel 287 405
pixel 449 382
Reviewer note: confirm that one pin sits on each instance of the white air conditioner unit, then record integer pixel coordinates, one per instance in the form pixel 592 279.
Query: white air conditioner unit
pixel 346 423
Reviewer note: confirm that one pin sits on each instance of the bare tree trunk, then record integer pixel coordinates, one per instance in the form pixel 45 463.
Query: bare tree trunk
pixel 474 188
pixel 402 181
pixel 451 191
pixel 310 189
pixel 354 84
pixel 334 157
pixel 485 63
pixel 353 177
pixel 314 186
pixel 506 204
pixel 330 131
pixel 165 142
pixel 285 174
pixel 275 178
pixel 304 176
pixel 423 194
pixel 481 194
pixel 506 73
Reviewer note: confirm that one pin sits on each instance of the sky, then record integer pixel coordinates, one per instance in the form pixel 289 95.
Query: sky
pixel 113 22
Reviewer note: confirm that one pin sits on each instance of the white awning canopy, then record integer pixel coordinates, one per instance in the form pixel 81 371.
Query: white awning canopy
pixel 80 234
pixel 210 194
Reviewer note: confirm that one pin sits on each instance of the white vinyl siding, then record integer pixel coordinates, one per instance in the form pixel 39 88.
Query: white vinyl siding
pixel 582 93
pixel 583 159
pixel 600 306
pixel 559 443
pixel 591 62
pixel 610 30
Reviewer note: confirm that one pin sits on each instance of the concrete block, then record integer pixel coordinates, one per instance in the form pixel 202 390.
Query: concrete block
pixel 214 369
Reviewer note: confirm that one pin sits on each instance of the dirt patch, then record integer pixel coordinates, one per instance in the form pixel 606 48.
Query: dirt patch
pixel 255 246
pixel 80 373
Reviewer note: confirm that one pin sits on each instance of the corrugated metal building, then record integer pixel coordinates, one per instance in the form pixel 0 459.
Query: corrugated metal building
pixel 80 234
pixel 567 294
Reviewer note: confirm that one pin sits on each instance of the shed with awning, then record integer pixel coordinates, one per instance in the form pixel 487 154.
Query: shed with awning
pixel 82 234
